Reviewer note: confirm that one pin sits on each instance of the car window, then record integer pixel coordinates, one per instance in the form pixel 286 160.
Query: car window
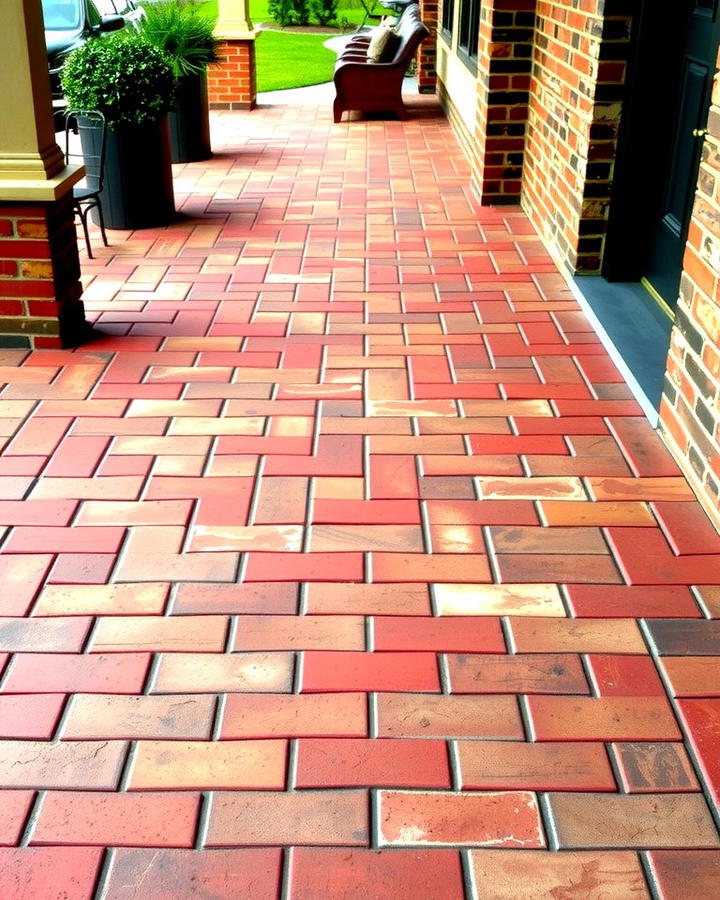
pixel 62 15
pixel 113 7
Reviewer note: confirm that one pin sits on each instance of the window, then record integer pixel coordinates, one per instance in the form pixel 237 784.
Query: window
pixel 469 29
pixel 448 14
pixel 110 7
pixel 128 9
pixel 62 16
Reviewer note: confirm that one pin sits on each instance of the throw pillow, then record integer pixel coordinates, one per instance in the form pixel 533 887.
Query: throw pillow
pixel 379 42
pixel 390 49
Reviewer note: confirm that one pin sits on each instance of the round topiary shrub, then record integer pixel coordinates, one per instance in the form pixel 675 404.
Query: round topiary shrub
pixel 123 76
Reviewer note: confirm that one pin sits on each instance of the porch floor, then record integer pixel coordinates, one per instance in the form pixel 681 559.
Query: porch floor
pixel 343 564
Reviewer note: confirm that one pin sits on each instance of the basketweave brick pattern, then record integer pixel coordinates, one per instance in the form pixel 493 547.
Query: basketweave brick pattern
pixel 690 406
pixel 40 305
pixel 576 93
pixel 505 50
pixel 232 81
pixel 343 563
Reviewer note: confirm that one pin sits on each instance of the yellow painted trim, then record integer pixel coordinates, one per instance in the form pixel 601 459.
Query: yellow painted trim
pixel 661 302
pixel 46 163
pixel 231 34
pixel 233 21
pixel 41 190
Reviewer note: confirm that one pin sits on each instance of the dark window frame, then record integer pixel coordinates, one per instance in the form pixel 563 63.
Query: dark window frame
pixel 448 18
pixel 468 32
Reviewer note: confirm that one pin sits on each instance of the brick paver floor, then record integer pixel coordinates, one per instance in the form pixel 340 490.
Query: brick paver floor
pixel 343 564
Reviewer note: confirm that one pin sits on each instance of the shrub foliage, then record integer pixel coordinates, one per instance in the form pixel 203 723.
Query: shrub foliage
pixel 123 76
pixel 281 11
pixel 325 11
pixel 299 12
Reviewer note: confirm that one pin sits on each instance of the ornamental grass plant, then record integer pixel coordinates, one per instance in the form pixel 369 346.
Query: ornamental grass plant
pixel 183 31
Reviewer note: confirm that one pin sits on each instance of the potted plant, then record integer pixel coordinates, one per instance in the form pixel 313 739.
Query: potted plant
pixel 131 83
pixel 185 34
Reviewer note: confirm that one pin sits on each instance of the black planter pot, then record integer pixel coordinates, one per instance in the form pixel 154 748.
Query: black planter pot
pixel 138 188
pixel 189 123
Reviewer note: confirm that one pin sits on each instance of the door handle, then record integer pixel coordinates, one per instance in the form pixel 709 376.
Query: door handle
pixel 699 132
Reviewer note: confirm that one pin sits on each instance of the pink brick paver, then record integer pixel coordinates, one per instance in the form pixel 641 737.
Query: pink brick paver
pixel 345 497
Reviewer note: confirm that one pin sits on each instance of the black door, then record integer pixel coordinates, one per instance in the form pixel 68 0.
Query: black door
pixel 687 111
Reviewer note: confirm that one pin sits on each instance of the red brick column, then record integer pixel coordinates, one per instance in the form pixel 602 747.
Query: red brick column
pixel 504 63
pixel 40 288
pixel 690 408
pixel 427 54
pixel 232 82
pixel 576 96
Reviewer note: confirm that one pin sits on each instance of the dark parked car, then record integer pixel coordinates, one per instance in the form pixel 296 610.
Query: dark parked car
pixel 70 22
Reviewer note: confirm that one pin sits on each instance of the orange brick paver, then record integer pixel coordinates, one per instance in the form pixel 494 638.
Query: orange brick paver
pixel 342 563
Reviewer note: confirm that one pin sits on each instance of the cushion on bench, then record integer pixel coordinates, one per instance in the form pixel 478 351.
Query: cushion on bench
pixel 383 45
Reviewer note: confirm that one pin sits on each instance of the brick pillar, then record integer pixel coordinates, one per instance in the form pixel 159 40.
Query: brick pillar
pixel 232 83
pixel 690 406
pixel 576 98
pixel 505 50
pixel 40 288
pixel 427 53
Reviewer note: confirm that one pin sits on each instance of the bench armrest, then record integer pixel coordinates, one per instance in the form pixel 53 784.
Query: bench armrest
pixel 358 55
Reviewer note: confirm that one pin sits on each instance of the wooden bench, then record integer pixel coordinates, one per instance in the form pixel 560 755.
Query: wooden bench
pixel 368 86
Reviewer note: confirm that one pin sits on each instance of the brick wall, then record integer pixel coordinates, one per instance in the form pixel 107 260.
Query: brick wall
pixel 505 51
pixel 40 288
pixel 232 82
pixel 580 57
pixel 427 53
pixel 690 409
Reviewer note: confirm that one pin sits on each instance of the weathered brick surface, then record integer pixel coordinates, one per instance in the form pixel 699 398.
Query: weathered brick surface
pixel 576 95
pixel 40 288
pixel 346 536
pixel 504 67
pixel 427 52
pixel 550 96
pixel 690 409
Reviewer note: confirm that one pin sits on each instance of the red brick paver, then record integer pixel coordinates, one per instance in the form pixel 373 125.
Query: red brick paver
pixel 343 563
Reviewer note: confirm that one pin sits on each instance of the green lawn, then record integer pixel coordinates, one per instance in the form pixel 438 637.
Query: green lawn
pixel 288 59
pixel 350 12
